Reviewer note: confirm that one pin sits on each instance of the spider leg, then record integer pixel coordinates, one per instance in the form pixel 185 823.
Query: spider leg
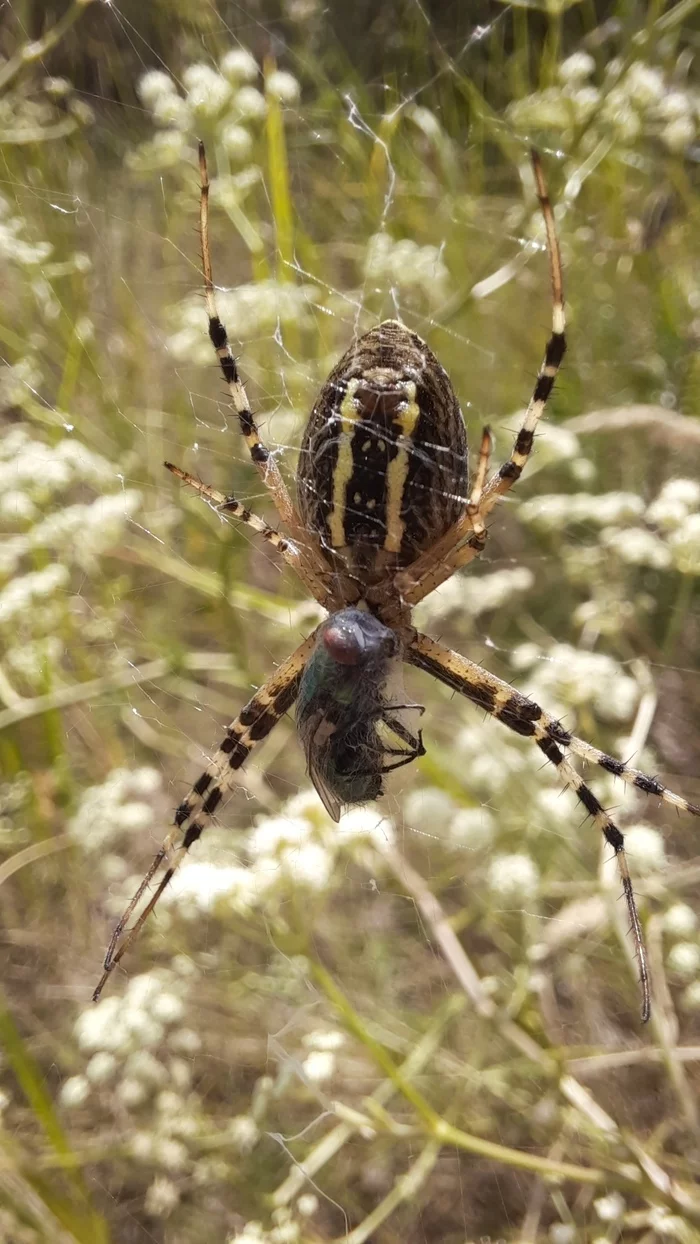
pixel 253 724
pixel 450 552
pixel 553 355
pixel 309 549
pixel 224 504
pixel 474 511
pixel 527 719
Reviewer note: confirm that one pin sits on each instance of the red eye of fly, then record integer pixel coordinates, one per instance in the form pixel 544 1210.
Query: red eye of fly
pixel 345 644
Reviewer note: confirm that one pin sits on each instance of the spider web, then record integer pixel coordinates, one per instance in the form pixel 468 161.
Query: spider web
pixel 352 181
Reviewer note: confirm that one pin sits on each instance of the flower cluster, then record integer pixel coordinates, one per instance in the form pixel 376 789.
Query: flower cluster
pixel 295 849
pixel 629 102
pixel 222 103
pixel 404 265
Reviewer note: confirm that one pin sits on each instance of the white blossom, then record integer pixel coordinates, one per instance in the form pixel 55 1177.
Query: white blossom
pixel 684 544
pixel 153 85
pixel 577 67
pixel 513 878
pixel 610 1208
pixel 428 809
pixel 644 84
pixel 680 920
pixel 283 86
pixel 101 1067
pixel 319 1065
pixel 684 959
pixel 366 821
pixel 473 828
pixel 208 92
pixel 239 65
pixel 243 1132
pixel 645 847
pixel 75 1091
pixel 161 1197
pixel 250 104
pixel 237 142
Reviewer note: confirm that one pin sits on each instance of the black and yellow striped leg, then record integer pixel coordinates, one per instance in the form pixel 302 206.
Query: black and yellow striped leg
pixel 310 553
pixel 511 470
pixel 527 719
pixel 226 504
pixel 466 538
pixel 260 455
pixel 252 725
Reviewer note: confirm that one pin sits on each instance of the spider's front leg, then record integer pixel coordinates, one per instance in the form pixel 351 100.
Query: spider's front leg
pixel 252 725
pixel 310 555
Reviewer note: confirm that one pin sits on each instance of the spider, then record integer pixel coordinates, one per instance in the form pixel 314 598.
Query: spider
pixel 384 515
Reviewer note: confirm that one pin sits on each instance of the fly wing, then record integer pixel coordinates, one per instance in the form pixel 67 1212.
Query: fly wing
pixel 314 733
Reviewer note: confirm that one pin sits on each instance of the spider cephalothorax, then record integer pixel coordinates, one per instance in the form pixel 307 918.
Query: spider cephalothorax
pixel 385 515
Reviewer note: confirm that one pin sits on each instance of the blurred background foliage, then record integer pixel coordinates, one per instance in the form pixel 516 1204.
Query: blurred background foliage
pixel 421 1024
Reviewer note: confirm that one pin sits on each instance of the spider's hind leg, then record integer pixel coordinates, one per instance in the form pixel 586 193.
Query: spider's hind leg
pixel 197 809
pixel 528 720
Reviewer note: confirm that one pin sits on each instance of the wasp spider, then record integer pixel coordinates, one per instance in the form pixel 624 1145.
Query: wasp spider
pixel 384 515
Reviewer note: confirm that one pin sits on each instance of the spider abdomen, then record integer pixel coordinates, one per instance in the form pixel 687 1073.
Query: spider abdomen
pixel 383 465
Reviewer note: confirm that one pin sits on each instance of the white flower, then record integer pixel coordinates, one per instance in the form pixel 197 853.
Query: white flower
pixel 674 105
pixel 283 86
pixel 684 959
pixel 237 142
pixel 168 1008
pixel 243 1132
pixel 239 65
pixel 324 1039
pixel 170 1153
pixel 142 1066
pixel 637 546
pixel 610 1208
pixel 684 544
pixel 319 1065
pixel 367 821
pixel 132 1093
pixel 273 832
pixel 186 1040
pixel 161 1197
pixel 691 997
pixel 250 104
pixel 22 594
pixel 473 828
pixel 513 878
pixel 428 809
pixel 406 265
pixel 174 111
pixel 153 85
pixel 75 1091
pixel 562 1233
pixel 576 67
pixel 645 847
pixel 307 1204
pixel 644 84
pixel 169 1103
pixel 208 92
pixel 17 506
pixel 310 864
pixel 252 1233
pixel 201 884
pixel 99 1027
pixel 680 920
pixel 101 1067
